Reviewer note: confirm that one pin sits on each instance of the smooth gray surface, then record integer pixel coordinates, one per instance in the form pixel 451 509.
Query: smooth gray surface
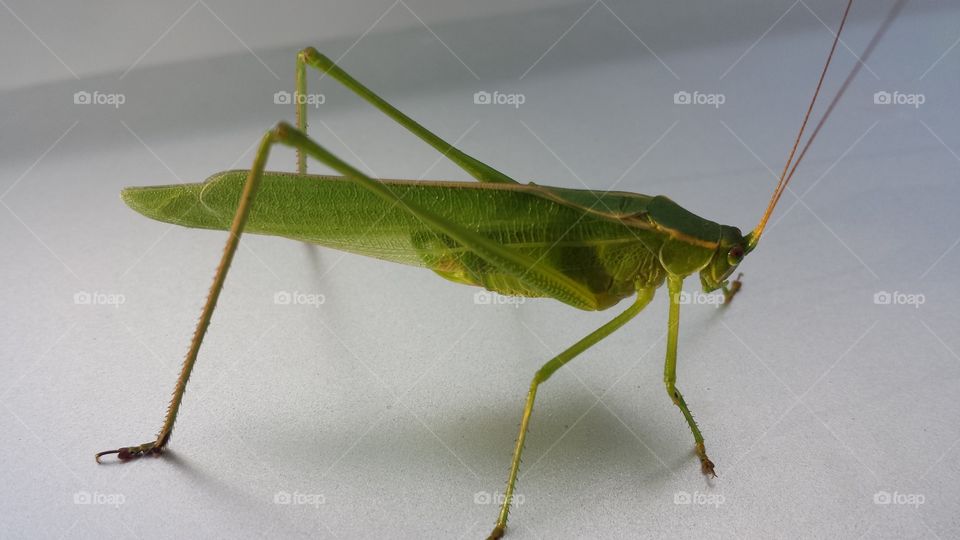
pixel 394 405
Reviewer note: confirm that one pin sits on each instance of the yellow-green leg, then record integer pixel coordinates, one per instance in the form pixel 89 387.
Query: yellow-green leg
pixel 730 291
pixel 312 58
pixel 643 298
pixel 236 229
pixel 544 280
pixel 674 284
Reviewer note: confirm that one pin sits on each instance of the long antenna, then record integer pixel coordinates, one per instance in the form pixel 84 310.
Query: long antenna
pixel 754 237
pixel 891 16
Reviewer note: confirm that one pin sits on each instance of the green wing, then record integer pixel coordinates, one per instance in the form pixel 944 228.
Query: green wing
pixel 586 239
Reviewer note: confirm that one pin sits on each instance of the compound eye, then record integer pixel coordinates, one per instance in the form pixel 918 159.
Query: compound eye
pixel 735 255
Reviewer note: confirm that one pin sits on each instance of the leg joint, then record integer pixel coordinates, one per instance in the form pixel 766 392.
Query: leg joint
pixel 307 54
pixel 313 57
pixel 281 130
pixel 673 392
pixel 284 133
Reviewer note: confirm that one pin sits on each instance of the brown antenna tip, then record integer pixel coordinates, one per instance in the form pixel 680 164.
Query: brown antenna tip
pixel 754 236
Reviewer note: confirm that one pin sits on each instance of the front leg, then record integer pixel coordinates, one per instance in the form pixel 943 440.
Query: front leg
pixel 670 372
pixel 733 289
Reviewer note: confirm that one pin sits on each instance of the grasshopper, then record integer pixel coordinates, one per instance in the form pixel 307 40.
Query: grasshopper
pixel 588 249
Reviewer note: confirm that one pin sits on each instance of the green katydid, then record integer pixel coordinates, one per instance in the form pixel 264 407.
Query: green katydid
pixel 588 249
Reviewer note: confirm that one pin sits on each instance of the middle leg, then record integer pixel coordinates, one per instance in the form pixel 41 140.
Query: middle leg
pixel 643 298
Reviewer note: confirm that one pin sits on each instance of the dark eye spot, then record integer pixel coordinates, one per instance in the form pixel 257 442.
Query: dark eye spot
pixel 735 255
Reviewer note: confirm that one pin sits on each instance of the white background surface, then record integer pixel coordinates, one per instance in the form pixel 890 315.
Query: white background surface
pixel 396 402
